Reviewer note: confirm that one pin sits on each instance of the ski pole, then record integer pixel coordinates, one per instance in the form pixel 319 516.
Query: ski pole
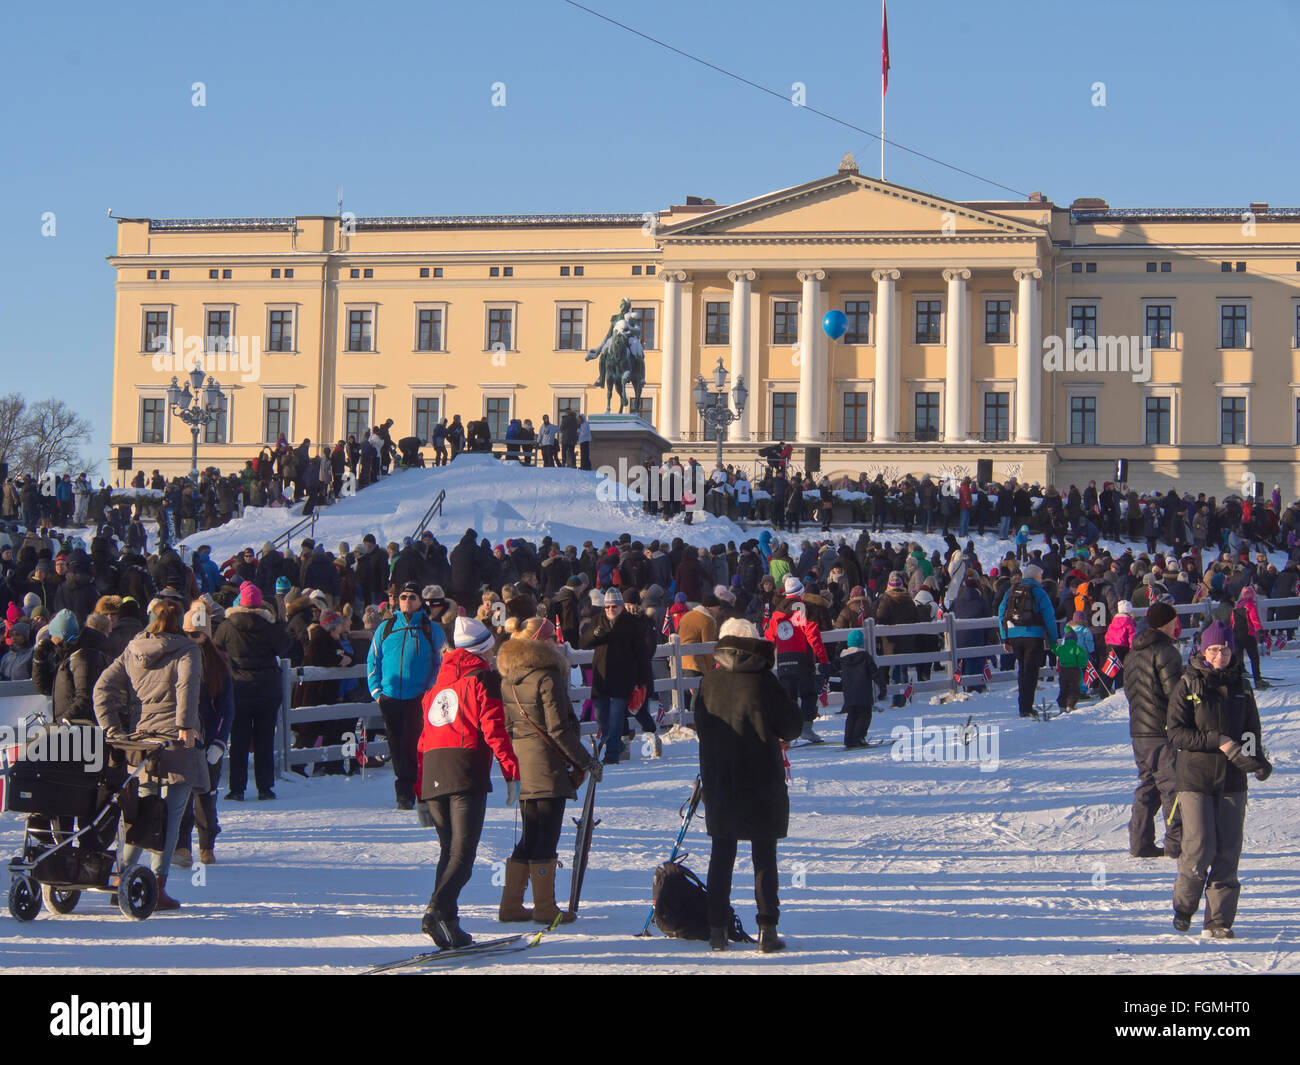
pixel 687 811
pixel 1172 810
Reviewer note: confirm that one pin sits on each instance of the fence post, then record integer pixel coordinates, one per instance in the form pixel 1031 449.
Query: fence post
pixel 951 622
pixel 679 700
pixel 286 694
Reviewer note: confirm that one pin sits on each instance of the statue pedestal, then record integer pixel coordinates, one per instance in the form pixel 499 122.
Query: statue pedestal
pixel 625 437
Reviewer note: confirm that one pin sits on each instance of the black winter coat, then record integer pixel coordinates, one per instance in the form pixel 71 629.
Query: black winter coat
pixel 742 715
pixel 253 640
pixel 1209 706
pixel 464 570
pixel 621 662
pixel 68 673
pixel 77 593
pixel 1152 670
pixel 857 668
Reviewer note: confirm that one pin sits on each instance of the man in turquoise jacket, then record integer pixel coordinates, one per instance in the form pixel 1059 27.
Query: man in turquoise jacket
pixel 405 653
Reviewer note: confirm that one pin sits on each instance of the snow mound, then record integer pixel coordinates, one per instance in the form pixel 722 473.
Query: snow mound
pixel 498 499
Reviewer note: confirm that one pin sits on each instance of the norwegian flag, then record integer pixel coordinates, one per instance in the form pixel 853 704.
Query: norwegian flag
pixel 939 612
pixel 1090 675
pixel 1280 644
pixel 362 759
pixel 988 672
pixel 1266 643
pixel 1112 665
pixel 907 692
pixel 824 696
pixel 956 676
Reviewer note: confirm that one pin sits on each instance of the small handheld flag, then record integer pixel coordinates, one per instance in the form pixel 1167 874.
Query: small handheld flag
pixel 362 759
pixel 956 676
pixel 907 692
pixel 988 672
pixel 1090 676
pixel 1112 666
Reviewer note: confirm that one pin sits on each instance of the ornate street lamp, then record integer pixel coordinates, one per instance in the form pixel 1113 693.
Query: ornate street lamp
pixel 196 405
pixel 712 405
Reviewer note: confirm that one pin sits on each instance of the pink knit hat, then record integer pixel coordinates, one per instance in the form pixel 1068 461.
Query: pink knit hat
pixel 13 613
pixel 250 594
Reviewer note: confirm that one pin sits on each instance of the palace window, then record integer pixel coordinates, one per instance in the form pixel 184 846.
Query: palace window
pixel 1158 419
pixel 928 318
pixel 426 417
pixel 1232 325
pixel 496 409
pixel 856 411
pixel 1232 420
pixel 153 414
pixel 214 432
pixel 997 321
pixel 784 426
pixel 1083 419
pixel 785 322
pixel 926 422
pixel 277 419
pixel 499 327
pixel 156 328
pixel 570 338
pixel 997 415
pixel 280 331
pixel 429 329
pixel 1160 325
pixel 717 323
pixel 858 312
pixel 356 418
pixel 361 330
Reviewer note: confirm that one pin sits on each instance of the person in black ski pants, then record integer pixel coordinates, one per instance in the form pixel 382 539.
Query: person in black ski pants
pixel 743 716
pixel 1027 625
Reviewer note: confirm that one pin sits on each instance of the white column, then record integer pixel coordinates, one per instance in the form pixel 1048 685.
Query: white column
pixel 956 404
pixel 1029 353
pixel 812 362
pixel 887 358
pixel 742 346
pixel 670 387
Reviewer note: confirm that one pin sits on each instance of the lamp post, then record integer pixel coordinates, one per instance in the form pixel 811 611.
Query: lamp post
pixel 195 404
pixel 712 405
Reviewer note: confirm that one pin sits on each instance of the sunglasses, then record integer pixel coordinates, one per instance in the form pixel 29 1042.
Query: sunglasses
pixel 408 595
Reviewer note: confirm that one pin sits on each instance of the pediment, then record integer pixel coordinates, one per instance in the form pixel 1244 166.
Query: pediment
pixel 847 204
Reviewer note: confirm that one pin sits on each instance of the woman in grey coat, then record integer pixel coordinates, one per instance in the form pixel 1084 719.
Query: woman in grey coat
pixel 153 688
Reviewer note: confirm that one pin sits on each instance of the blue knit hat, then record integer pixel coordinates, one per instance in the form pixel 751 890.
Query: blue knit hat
pixel 856 638
pixel 64 626
pixel 282 585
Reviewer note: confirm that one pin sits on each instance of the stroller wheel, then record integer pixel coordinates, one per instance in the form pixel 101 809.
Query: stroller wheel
pixel 59 900
pixel 137 892
pixel 24 898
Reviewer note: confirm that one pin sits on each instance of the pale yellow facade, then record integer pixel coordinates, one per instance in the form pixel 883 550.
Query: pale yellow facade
pixel 954 307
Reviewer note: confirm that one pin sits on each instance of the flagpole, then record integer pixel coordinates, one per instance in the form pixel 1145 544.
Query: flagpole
pixel 882 96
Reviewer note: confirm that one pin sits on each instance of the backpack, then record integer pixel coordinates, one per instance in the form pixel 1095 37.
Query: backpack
pixel 681 906
pixel 1022 608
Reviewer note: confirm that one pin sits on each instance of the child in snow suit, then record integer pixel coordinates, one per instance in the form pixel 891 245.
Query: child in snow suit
pixel 1072 657
pixel 857 670
pixel 1022 544
pixel 1119 636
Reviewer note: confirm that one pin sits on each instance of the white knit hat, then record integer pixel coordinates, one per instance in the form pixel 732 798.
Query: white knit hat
pixel 793 585
pixel 1124 607
pixel 739 627
pixel 472 636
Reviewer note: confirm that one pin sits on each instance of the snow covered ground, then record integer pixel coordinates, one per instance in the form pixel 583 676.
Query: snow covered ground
pixel 890 867
pixel 498 499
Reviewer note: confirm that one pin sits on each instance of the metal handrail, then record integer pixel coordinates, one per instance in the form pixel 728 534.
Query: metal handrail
pixel 308 522
pixel 434 508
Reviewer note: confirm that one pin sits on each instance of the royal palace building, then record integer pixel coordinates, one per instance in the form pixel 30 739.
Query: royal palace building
pixel 1052 340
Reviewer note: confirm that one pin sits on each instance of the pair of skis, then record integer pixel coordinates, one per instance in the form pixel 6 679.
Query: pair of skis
pixel 586 824
pixel 485 948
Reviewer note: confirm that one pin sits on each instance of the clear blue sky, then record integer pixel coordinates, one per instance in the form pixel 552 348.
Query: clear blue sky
pixel 392 100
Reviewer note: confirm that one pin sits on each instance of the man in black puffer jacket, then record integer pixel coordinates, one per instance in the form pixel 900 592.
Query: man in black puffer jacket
pixel 1151 672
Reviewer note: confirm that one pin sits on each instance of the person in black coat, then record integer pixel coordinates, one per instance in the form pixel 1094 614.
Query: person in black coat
pixel 464 583
pixel 620 666
pixel 253 640
pixel 743 717
pixel 372 571
pixel 857 674
pixel 1152 669
pixel 1214 723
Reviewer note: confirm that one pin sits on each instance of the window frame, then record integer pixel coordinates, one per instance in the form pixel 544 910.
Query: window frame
pixel 500 305
pixel 282 308
pixel 156 308
pixel 939 319
pixel 1242 302
pixel 164 418
pixel 716 323
pixel 784 301
pixel 1010 331
pixel 443 308
pixel 569 306
pixel 1174 339
pixel 348 310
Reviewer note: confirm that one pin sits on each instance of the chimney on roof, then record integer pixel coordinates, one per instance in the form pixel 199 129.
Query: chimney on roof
pixel 1259 208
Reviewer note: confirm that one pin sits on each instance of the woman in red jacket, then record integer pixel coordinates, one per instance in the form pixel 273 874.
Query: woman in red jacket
pixel 464 726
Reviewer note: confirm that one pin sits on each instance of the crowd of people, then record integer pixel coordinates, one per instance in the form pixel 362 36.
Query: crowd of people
pixel 466 649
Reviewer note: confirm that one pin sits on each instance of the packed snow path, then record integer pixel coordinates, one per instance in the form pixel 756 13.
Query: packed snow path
pixel 891 867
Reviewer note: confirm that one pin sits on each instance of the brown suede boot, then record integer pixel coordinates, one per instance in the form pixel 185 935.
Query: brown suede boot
pixel 542 875
pixel 165 901
pixel 512 895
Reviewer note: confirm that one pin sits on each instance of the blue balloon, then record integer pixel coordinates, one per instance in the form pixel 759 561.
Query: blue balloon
pixel 835 324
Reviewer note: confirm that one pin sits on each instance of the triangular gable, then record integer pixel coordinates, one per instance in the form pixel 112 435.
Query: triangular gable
pixel 848 203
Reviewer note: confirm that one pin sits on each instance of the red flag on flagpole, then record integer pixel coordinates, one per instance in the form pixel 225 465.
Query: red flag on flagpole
pixel 884 48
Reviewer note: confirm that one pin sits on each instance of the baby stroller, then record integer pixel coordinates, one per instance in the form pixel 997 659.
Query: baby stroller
pixel 61 859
